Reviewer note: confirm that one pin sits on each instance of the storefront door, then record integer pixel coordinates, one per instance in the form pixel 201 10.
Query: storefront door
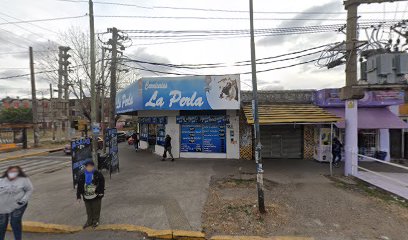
pixel 281 141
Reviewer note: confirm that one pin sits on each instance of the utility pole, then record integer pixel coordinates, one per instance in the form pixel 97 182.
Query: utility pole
pixel 258 146
pixel 94 124
pixel 59 100
pixel 65 64
pixel 52 114
pixel 34 100
pixel 348 93
pixel 113 41
pixel 102 86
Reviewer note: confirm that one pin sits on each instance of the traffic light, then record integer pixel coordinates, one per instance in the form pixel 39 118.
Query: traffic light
pixel 75 124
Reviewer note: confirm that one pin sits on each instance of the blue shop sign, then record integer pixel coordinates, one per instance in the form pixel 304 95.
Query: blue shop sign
pixel 181 93
pixel 130 99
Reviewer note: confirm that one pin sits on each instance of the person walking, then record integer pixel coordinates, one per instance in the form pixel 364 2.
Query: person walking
pixel 167 148
pixel 91 186
pixel 135 138
pixel 15 191
pixel 336 152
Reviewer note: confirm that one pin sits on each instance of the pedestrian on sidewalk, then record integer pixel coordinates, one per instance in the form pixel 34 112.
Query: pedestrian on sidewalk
pixel 167 148
pixel 336 152
pixel 15 191
pixel 91 186
pixel 135 138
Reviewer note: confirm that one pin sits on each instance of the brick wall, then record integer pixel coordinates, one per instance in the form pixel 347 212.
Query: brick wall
pixel 308 141
pixel 245 138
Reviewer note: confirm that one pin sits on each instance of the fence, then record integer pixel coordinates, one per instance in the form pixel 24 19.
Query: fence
pixel 394 180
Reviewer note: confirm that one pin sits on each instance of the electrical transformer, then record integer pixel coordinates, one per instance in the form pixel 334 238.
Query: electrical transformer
pixel 385 68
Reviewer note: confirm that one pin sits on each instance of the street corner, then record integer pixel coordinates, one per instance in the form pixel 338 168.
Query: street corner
pixel 225 237
pixel 39 227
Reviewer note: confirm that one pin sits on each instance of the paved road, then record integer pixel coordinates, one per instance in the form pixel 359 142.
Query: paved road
pixel 39 164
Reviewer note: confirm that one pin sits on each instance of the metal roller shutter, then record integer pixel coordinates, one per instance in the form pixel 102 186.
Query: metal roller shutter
pixel 281 141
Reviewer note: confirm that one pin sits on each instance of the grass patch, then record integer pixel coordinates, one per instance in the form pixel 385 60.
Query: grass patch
pixel 369 190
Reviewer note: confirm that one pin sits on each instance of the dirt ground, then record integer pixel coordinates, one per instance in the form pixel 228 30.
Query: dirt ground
pixel 332 209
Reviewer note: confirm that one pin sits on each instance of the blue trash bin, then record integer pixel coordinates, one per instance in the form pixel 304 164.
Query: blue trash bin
pixel 381 155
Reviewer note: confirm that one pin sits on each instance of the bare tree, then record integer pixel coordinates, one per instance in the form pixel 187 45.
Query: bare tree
pixel 79 69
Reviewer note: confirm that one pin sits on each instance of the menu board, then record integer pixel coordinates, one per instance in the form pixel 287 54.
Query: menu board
pixel 208 138
pixel 81 154
pixel 213 138
pixel 112 137
pixel 191 138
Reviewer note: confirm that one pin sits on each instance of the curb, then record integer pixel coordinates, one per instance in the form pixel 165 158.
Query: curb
pixel 38 227
pixel 221 237
pixel 31 154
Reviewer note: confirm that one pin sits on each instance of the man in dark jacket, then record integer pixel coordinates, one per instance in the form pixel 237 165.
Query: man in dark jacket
pixel 336 152
pixel 167 148
pixel 91 186
pixel 135 138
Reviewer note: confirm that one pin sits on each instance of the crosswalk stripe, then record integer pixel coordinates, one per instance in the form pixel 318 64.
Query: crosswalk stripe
pixel 25 164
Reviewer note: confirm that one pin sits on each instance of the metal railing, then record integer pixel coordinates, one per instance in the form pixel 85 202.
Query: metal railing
pixel 360 156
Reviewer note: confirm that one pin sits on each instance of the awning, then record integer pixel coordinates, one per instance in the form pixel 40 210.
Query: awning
pixel 290 113
pixel 372 118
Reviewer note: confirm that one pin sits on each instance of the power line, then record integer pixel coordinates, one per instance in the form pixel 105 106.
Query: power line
pixel 44 20
pixel 32 24
pixel 7 53
pixel 218 10
pixel 212 66
pixel 238 63
pixel 241 73
pixel 229 18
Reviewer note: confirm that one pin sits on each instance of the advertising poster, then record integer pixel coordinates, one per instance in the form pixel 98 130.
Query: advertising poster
pixel 81 154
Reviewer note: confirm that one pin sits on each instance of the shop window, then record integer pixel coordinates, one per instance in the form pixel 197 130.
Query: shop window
pixel 367 142
pixel 203 134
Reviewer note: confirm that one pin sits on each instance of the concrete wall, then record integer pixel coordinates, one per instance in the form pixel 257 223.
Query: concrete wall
pixel 280 96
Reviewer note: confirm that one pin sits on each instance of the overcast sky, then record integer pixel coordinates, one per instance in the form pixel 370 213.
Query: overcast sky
pixel 17 37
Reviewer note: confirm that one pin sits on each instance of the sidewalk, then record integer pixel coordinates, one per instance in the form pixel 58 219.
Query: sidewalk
pixel 28 152
pixel 170 196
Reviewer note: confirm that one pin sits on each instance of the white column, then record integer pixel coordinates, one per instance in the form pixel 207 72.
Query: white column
pixel 351 141
pixel 385 142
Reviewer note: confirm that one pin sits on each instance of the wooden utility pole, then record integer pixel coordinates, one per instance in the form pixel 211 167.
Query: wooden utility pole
pixel 52 113
pixel 94 124
pixel 113 83
pixel 59 99
pixel 102 86
pixel 34 100
pixel 258 146
pixel 65 63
